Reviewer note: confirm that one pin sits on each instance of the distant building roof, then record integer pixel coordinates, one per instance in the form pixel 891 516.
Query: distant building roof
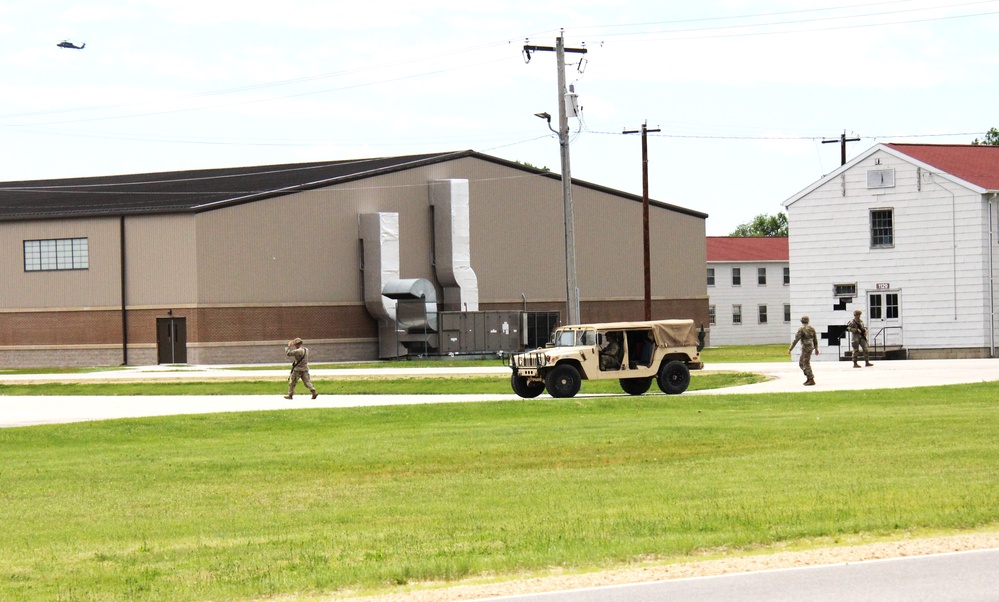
pixel 185 191
pixel 747 248
pixel 207 189
pixel 977 164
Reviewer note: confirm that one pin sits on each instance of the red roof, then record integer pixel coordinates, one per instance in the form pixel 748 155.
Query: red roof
pixel 977 164
pixel 747 248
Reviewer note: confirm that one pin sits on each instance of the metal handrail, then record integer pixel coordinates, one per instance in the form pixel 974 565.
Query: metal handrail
pixel 872 342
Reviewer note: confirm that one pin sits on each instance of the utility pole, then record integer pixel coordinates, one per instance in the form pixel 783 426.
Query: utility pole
pixel 842 145
pixel 571 288
pixel 646 245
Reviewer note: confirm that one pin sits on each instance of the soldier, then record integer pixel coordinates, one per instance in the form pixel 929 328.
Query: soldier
pixel 809 342
pixel 299 367
pixel 609 354
pixel 856 326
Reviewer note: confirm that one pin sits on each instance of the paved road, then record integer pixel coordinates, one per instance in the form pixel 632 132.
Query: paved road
pixel 956 577
pixel 783 377
pixel 31 410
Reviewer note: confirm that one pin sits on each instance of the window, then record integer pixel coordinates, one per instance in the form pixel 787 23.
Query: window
pixel 883 306
pixel 711 315
pixel 58 254
pixel 736 276
pixel 787 313
pixel 711 276
pixel 891 306
pixel 875 312
pixel 881 178
pixel 737 314
pixel 882 232
pixel 763 314
pixel 787 276
pixel 845 290
pixel 761 276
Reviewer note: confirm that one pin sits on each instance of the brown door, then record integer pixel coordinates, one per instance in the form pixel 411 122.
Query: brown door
pixel 171 340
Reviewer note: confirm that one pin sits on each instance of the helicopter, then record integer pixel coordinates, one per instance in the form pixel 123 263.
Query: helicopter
pixel 68 44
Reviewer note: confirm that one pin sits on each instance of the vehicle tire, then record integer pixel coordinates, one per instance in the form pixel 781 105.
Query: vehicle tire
pixel 563 381
pixel 636 386
pixel 525 389
pixel 673 378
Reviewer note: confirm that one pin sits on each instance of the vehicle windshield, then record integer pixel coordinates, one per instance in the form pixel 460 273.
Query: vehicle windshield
pixel 575 338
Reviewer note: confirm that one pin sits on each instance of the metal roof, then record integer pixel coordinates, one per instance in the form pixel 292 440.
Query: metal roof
pixel 206 189
pixel 747 248
pixel 977 164
pixel 186 191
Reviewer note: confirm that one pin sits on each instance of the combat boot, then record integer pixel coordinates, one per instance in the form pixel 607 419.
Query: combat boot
pixel 809 382
pixel 868 364
pixel 287 396
pixel 315 394
pixel 855 364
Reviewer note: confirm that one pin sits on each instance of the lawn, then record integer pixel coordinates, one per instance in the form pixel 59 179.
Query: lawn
pixel 312 502
pixel 717 355
pixel 375 385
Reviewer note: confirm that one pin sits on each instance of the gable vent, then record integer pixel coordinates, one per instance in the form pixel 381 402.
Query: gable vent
pixel 881 178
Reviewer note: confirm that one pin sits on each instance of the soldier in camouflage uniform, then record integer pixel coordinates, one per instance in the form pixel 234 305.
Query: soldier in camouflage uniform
pixel 299 368
pixel 856 326
pixel 809 342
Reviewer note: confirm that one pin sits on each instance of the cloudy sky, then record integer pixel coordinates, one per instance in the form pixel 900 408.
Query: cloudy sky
pixel 744 92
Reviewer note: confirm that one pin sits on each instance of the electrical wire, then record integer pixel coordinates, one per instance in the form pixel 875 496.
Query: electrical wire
pixel 635 34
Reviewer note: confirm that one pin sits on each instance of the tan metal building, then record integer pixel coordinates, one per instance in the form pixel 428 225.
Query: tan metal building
pixel 226 265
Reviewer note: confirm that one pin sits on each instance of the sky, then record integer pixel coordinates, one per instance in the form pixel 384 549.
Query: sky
pixel 744 93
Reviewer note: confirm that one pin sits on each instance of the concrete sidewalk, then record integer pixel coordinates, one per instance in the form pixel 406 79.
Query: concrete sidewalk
pixel 842 376
pixel 784 377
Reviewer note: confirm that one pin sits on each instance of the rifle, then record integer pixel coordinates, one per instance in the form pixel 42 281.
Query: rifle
pixel 857 326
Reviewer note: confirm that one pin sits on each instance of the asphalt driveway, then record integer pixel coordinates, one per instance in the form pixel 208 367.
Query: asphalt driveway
pixel 783 377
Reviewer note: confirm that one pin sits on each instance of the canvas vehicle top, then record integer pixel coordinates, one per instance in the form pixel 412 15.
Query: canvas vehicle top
pixel 633 352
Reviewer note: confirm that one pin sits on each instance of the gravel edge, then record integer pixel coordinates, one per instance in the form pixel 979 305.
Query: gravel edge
pixel 684 570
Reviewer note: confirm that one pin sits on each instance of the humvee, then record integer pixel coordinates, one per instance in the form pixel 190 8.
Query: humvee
pixel 664 350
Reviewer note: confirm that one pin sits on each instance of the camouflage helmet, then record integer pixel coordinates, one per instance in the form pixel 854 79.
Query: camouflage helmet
pixel 857 312
pixel 804 319
pixel 297 341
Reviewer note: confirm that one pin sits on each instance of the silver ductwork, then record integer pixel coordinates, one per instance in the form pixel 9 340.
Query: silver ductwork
pixel 406 309
pixel 415 312
pixel 379 234
pixel 452 245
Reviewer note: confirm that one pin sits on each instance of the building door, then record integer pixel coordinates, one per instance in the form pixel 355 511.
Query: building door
pixel 171 340
pixel 884 318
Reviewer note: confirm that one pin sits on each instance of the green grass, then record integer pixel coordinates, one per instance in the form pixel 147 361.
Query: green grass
pixel 352 386
pixel 306 503
pixel 745 353
pixel 734 353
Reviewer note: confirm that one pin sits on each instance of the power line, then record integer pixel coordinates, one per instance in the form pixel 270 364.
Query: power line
pixel 465 51
pixel 680 34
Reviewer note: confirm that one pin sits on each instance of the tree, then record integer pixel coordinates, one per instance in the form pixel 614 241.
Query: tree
pixel 991 139
pixel 526 164
pixel 764 225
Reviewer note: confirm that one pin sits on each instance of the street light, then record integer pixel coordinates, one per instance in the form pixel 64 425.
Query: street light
pixel 571 289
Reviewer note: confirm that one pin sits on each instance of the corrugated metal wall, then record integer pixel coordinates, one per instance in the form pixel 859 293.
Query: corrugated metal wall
pixel 99 286
pixel 299 255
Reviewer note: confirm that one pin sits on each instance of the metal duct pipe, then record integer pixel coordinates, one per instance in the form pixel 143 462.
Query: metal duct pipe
pixel 452 242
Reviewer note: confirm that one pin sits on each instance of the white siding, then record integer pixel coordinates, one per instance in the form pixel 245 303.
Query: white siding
pixel 938 263
pixel 750 295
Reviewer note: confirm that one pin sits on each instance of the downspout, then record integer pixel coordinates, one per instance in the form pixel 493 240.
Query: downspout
pixel 124 315
pixel 992 290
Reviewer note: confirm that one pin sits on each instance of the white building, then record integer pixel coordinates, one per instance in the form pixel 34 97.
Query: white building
pixel 749 299
pixel 907 234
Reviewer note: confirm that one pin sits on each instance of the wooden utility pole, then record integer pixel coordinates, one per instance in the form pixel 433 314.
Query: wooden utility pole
pixel 646 244
pixel 571 288
pixel 842 145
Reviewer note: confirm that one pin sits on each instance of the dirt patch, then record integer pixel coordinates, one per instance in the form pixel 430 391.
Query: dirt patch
pixel 704 568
